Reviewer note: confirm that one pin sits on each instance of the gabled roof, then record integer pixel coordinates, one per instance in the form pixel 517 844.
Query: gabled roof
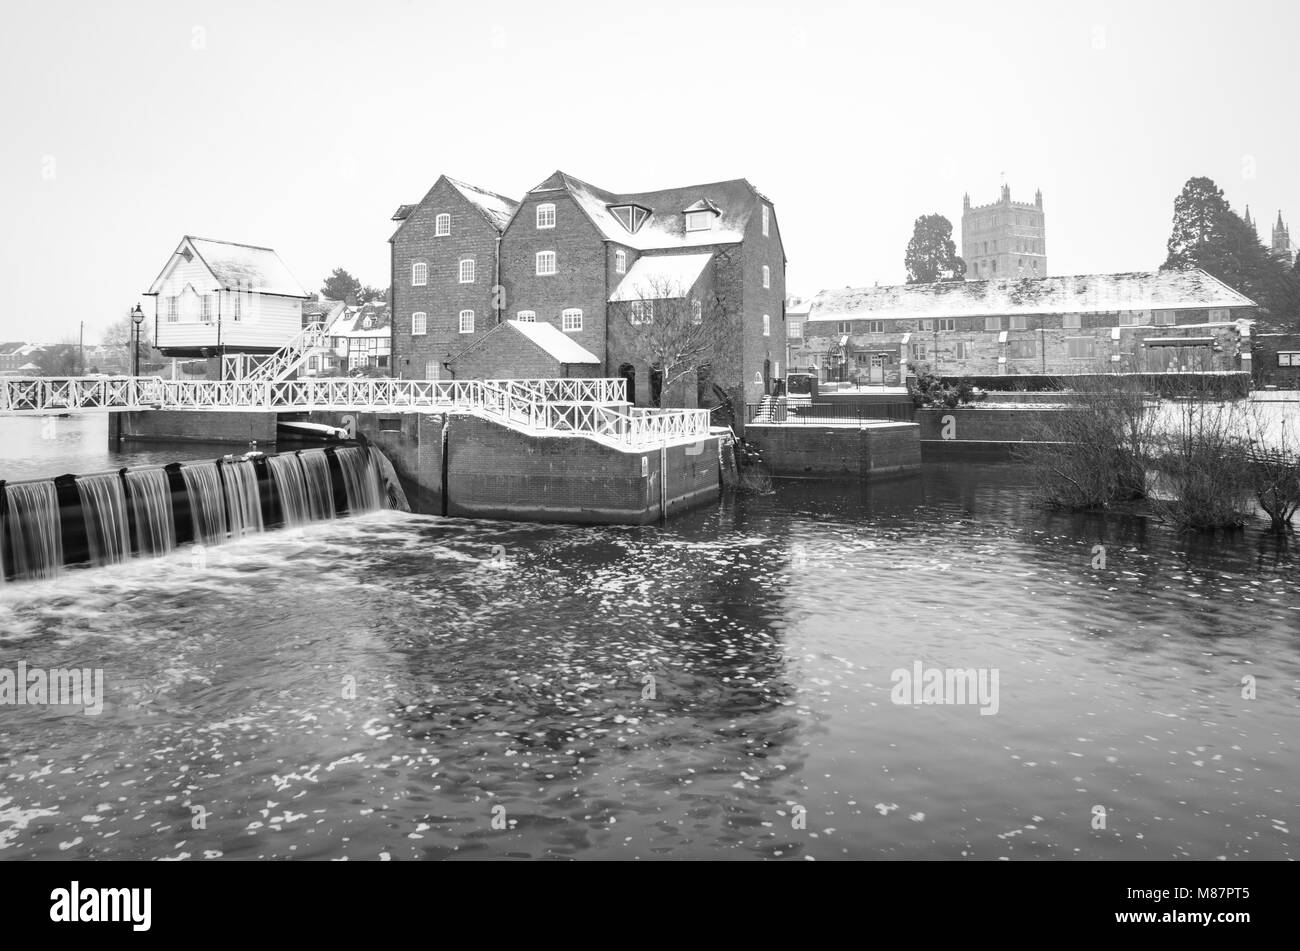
pixel 242 267
pixel 555 342
pixel 496 209
pixel 354 325
pixel 661 276
pixel 733 201
pixel 1073 294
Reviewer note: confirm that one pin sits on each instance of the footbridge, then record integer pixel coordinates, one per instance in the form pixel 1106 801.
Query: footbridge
pixel 595 409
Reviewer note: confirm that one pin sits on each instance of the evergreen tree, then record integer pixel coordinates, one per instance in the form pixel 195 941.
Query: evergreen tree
pixel 931 254
pixel 341 286
pixel 1209 235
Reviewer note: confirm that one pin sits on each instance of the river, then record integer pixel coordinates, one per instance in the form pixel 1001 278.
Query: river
pixel 403 687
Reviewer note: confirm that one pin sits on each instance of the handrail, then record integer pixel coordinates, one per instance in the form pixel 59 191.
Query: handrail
pixel 591 408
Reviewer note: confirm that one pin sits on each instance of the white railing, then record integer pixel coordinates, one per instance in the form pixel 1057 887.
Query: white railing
pixel 591 408
pixel 291 356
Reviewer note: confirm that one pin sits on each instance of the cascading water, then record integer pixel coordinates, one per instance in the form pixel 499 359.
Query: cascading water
pixel 103 503
pixel 360 479
pixel 207 502
pixel 35 529
pixel 320 489
pixel 291 487
pixel 151 506
pixel 243 500
pixel 132 513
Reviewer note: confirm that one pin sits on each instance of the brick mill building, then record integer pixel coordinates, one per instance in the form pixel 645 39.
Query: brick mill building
pixel 1158 321
pixel 467 261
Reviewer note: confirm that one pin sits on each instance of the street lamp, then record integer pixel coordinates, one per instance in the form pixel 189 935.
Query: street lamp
pixel 137 317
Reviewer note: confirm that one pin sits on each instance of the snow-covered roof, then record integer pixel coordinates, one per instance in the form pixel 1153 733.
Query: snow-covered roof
pixel 353 324
pixel 1074 294
pixel 665 227
pixel 659 276
pixel 554 341
pixel 242 267
pixel 498 209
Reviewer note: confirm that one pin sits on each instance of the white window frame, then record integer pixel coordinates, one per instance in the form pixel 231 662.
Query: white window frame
pixel 767 276
pixel 699 220
pixel 546 215
pixel 419 274
pixel 1019 322
pixel 419 324
pixel 875 326
pixel 963 350
pixel 844 327
pixel 767 216
pixel 767 325
pixel 992 323
pixel 441 225
pixel 173 309
pixel 571 319
pixel 620 262
pixel 541 256
pixel 527 316
pixel 948 323
pixel 1165 318
pixel 435 366
pixel 795 330
pixel 1288 358
pixel 1071 322
pixel 470 278
pixel 641 312
pixel 697 312
pixel 466 321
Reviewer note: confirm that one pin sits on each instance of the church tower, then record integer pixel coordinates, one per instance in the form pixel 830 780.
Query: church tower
pixel 1281 239
pixel 1004 239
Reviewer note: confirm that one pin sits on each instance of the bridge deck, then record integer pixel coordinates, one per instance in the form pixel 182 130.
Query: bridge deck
pixel 591 408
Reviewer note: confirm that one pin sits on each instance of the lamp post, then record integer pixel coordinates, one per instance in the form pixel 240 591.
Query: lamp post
pixel 137 317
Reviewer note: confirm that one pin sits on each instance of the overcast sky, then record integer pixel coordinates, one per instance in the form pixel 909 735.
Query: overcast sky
pixel 303 125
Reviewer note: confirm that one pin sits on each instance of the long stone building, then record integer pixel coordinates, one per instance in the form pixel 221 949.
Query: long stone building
pixel 1154 321
pixel 466 261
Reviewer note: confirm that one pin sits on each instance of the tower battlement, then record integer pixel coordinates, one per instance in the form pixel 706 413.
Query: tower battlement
pixel 1005 238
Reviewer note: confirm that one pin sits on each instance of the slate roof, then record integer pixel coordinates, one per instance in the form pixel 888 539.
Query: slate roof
pixel 734 200
pixel 1073 294
pixel 243 267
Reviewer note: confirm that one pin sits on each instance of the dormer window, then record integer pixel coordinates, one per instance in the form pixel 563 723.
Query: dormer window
pixel 699 221
pixel 700 216
pixel 368 323
pixel 630 217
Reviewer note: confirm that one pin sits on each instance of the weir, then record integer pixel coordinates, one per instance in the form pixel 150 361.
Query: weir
pixel 106 518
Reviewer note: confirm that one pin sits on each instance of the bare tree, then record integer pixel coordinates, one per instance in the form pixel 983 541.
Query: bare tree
pixel 678 334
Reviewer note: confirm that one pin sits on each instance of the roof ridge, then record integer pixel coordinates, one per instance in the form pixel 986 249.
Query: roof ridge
pixel 485 191
pixel 236 244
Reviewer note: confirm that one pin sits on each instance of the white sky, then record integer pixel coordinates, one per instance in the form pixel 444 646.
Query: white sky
pixel 303 125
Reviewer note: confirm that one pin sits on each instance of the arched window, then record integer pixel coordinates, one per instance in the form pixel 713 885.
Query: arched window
pixel 571 319
pixel 442 226
pixel 527 316
pixel 419 274
pixel 467 271
pixel 467 321
pixel 546 215
pixel 545 262
pixel 767 276
pixel 767 325
pixel 419 324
